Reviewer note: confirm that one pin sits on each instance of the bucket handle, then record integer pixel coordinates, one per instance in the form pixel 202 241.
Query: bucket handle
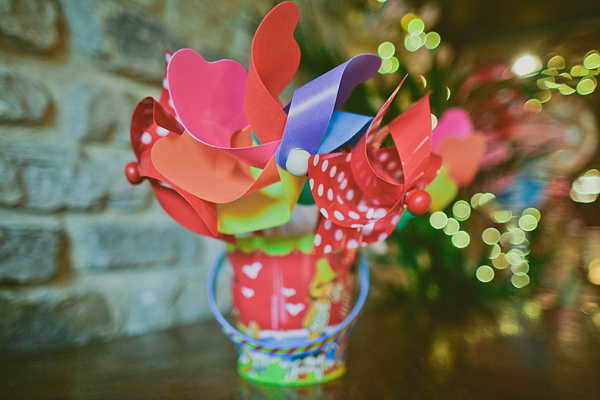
pixel 308 346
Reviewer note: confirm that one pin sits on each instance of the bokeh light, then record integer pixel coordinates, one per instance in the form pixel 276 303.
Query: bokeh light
pixel 565 89
pixel 592 60
pixel 485 199
pixel 484 273
pixel 586 188
pixel 586 86
pixel 526 65
pixel 528 223
pixel 495 251
pixel 533 106
pixel 434 121
pixel 406 20
pixel 461 210
pixel 532 309
pixel 520 280
pixel 522 267
pixel 432 40
pixel 515 257
pixel 461 239
pixel 491 236
pixel 438 220
pixel 502 216
pixel 395 64
pixel 452 226
pixel 475 200
pixel 594 271
pixel 412 43
pixel 517 236
pixel 556 62
pixel 386 66
pixel 500 262
pixel 386 50
pixel 416 26
pixel 533 212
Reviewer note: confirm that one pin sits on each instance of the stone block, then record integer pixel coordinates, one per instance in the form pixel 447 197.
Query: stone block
pixel 92 116
pixel 10 189
pixel 50 317
pixel 22 100
pixel 45 173
pixel 48 178
pixel 29 248
pixel 108 167
pixel 112 242
pixel 118 38
pixel 29 25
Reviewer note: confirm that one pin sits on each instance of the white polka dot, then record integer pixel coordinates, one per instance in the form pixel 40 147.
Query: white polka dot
pixel 380 213
pixel 146 138
pixel 171 103
pixel 311 182
pixel 356 226
pixel 165 83
pixel 168 57
pixel 316 160
pixel 162 131
pixel 317 240
pixel 344 184
pixel 325 213
pixel 362 207
pixel 338 215
pixel 395 220
pixel 353 215
pixel 339 234
pixel 341 176
pixel 370 213
pixel 352 244
pixel 327 249
pixel 392 165
pixel 382 237
pixel 324 165
pixel 383 156
pixel 332 171
pixel 349 157
pixel 367 229
pixel 339 199
pixel 330 194
pixel 327 225
pixel 349 194
pixel 320 190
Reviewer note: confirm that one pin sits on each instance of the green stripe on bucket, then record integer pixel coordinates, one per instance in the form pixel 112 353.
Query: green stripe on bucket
pixel 275 246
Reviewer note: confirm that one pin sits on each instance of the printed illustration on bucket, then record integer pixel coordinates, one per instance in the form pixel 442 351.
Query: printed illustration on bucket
pixel 293 309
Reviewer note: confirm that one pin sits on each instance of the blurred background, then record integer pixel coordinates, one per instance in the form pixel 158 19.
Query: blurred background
pixel 85 256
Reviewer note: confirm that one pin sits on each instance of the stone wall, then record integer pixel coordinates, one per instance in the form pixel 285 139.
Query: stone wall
pixel 85 256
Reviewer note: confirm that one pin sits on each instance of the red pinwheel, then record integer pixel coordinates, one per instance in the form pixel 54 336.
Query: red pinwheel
pixel 362 194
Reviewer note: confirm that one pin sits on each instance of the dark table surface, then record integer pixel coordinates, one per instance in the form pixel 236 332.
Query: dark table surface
pixel 394 353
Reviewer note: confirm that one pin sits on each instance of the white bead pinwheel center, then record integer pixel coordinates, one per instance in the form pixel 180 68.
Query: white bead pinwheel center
pixel 297 162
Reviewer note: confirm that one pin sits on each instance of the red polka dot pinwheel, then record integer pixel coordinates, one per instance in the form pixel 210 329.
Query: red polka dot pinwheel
pixel 362 194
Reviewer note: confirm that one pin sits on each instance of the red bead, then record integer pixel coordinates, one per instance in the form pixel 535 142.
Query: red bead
pixel 132 172
pixel 418 202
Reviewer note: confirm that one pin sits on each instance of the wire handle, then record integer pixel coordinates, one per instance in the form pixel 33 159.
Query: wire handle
pixel 309 346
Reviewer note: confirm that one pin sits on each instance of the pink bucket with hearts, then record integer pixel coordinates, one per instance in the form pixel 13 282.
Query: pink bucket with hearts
pixel 292 309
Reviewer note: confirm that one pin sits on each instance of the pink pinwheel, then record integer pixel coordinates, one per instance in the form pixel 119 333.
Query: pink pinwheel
pixel 362 195
pixel 459 145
